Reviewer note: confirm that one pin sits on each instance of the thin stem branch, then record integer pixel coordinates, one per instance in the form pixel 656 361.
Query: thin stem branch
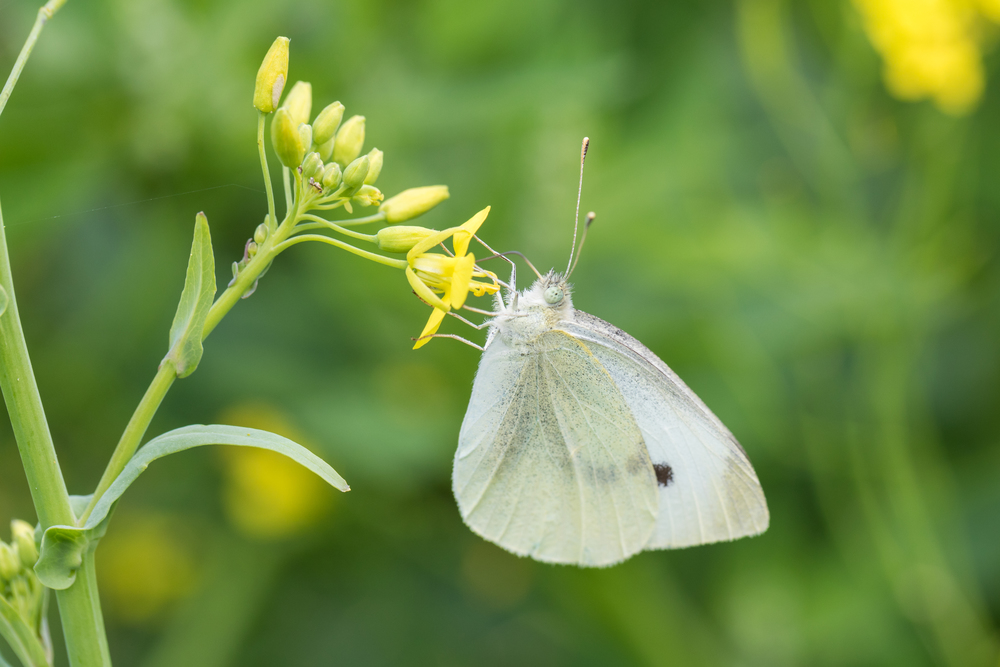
pixel 286 178
pixel 272 220
pixel 378 217
pixel 134 431
pixel 323 222
pixel 375 257
pixel 44 14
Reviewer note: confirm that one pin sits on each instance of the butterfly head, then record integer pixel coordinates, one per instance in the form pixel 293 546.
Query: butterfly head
pixel 550 293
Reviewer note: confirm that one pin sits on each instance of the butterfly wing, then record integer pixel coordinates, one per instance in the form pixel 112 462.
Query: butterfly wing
pixel 550 462
pixel 708 491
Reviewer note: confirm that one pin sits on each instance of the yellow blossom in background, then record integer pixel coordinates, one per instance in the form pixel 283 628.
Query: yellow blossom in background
pixel 931 48
pixel 146 564
pixel 267 495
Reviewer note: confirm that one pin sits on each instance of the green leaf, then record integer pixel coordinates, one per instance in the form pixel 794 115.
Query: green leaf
pixel 196 300
pixel 4 300
pixel 21 638
pixel 63 547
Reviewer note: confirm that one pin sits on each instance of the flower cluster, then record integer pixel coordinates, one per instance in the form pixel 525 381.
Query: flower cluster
pixel 19 587
pixel 325 159
pixel 931 48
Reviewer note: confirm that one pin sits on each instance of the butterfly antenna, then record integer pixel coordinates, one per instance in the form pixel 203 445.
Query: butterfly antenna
pixel 583 239
pixel 579 191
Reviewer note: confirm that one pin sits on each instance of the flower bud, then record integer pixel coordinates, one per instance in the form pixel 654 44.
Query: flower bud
pixel 23 534
pixel 354 175
pixel 312 166
pixel 401 238
pixel 350 138
pixel 327 122
pixel 260 234
pixel 368 195
pixel 10 565
pixel 326 150
pixel 332 176
pixel 306 136
pixel 286 139
pixel 271 76
pixel 251 249
pixel 299 102
pixel 375 168
pixel 413 202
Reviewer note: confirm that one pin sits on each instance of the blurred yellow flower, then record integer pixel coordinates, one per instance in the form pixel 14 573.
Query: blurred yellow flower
pixel 451 276
pixel 145 565
pixel 931 48
pixel 267 495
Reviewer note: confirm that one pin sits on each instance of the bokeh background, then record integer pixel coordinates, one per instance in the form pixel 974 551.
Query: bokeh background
pixel 798 210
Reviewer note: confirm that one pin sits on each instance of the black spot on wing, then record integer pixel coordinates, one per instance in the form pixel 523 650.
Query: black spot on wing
pixel 664 474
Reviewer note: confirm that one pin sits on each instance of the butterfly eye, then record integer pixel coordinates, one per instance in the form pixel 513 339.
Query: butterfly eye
pixel 553 295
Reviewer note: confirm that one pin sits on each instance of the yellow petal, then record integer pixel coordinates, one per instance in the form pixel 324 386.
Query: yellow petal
pixel 429 243
pixel 468 230
pixel 423 291
pixel 460 279
pixel 433 322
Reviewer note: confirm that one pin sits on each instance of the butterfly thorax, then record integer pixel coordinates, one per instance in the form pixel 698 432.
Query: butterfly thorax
pixel 535 311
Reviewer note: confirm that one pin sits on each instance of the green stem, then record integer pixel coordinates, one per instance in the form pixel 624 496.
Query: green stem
pixel 378 217
pixel 79 605
pixel 272 220
pixel 286 178
pixel 134 431
pixel 44 14
pixel 375 257
pixel 323 222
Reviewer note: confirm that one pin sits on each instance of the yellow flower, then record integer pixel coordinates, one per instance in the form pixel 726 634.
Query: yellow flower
pixel 452 277
pixel 931 48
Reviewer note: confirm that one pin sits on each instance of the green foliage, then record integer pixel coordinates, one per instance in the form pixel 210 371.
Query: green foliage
pixel 21 637
pixel 186 332
pixel 63 547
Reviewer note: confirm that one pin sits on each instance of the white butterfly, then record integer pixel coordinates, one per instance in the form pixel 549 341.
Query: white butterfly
pixel 581 446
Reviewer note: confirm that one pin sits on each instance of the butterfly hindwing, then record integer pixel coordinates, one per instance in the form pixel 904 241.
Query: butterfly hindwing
pixel 550 462
pixel 708 490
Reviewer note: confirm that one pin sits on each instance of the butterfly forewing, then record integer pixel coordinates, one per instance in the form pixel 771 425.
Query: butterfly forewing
pixel 550 462
pixel 708 491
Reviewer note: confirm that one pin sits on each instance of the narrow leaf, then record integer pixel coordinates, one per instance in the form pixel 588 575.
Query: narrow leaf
pixel 21 638
pixel 63 547
pixel 196 300
pixel 4 300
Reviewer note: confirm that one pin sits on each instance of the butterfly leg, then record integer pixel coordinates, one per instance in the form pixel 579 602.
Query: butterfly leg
pixel 513 278
pixel 470 323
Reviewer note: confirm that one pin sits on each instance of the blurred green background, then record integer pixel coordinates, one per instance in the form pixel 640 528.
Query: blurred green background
pixel 813 251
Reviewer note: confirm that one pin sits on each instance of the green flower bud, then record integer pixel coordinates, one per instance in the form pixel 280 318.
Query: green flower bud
pixel 375 160
pixel 413 202
pixel 236 272
pixel 23 534
pixel 326 150
pixel 286 139
pixel 401 238
pixel 251 249
pixel 260 234
pixel 354 175
pixel 299 102
pixel 271 76
pixel 306 136
pixel 312 166
pixel 368 195
pixel 331 176
pixel 10 564
pixel 327 122
pixel 350 138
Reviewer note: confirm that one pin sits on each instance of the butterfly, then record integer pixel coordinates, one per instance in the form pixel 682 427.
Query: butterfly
pixel 580 446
